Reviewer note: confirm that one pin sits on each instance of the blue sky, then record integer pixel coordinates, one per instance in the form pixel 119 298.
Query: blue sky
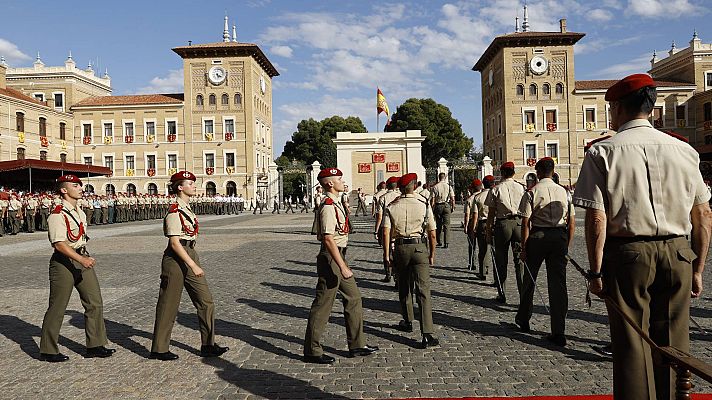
pixel 332 54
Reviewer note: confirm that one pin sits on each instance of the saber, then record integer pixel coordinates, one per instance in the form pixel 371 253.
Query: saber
pixel 536 287
pixel 500 289
pixel 470 265
pixel 698 326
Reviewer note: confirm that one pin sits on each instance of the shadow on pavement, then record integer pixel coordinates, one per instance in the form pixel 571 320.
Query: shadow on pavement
pixel 23 333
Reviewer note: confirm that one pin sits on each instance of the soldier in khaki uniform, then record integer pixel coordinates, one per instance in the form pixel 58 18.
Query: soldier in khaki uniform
pixel 380 191
pixel 391 194
pixel 331 228
pixel 548 227
pixel 470 224
pixel 181 267
pixel 643 192
pixel 3 214
pixel 503 202
pixel 407 221
pixel 45 206
pixel 442 199
pixel 71 266
pixel 480 212
pixel 14 214
pixel 31 212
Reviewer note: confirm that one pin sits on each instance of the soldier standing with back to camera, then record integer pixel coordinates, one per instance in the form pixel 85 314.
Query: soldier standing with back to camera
pixel 643 192
pixel 391 194
pixel 442 199
pixel 71 266
pixel 407 221
pixel 469 224
pixel 548 227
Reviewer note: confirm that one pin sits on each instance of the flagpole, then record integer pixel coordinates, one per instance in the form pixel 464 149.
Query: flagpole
pixel 378 118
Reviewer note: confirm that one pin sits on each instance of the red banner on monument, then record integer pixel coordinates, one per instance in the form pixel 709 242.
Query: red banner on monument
pixel 364 168
pixel 393 167
pixel 378 157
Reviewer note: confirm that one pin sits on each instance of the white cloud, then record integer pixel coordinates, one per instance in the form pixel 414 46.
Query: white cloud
pixel 599 15
pixel 171 83
pixel 641 64
pixel 282 51
pixel 660 8
pixel 13 55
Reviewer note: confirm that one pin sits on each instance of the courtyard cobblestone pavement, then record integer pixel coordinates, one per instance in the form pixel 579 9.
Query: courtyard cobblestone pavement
pixel 261 270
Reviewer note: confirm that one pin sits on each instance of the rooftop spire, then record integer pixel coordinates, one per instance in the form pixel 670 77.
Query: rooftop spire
pixel 694 35
pixel 2 61
pixel 226 32
pixel 525 22
pixel 70 55
pixel 516 24
pixel 38 60
pixel 234 33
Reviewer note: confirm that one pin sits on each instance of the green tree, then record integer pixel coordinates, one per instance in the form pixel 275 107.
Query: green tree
pixel 313 139
pixel 443 133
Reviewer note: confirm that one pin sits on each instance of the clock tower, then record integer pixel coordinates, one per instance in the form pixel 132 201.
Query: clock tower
pixel 228 114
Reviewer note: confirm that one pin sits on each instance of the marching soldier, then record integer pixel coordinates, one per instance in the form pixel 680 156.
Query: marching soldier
pixel 548 227
pixel 331 228
pixel 386 199
pixel 288 206
pixel 14 212
pixel 45 206
pixel 380 191
pixel 275 204
pixel 503 218
pixel 96 202
pixel 407 220
pixel 442 199
pixel 181 267
pixel 423 191
pixel 470 224
pixel 480 214
pixel 361 202
pixel 643 192
pixel 31 212
pixel 72 266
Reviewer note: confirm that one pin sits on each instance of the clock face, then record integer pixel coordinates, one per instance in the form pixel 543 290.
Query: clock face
pixel 538 65
pixel 216 75
pixel 263 85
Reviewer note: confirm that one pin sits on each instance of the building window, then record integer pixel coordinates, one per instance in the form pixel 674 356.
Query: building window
pixel 88 160
pixel 39 97
pixel 559 91
pixel 657 117
pixel 62 131
pixel 500 155
pixel 43 126
pixel 151 128
pixel 86 130
pixel 110 190
pixel 152 189
pixel 708 80
pixel 499 124
pixel 20 121
pixel 43 155
pixel 109 162
pixel 172 161
pixel 108 130
pixel 680 115
pixel 20 153
pixel 131 189
pixel 130 162
pixel 230 160
pixel 520 90
pixel 589 118
pixel 210 160
pixel 225 99
pixel 58 100
pixel 532 90
pixel 546 89
pixel 210 189
pixel 707 111
pixel 171 127
pixel 151 161
pixel 530 151
pixel 211 100
pixel 229 126
pixel 199 100
pixel 487 129
pixel 529 120
pixel 552 150
pixel 551 120
pixel 129 129
pixel 238 99
pixel 208 126
pixel 63 158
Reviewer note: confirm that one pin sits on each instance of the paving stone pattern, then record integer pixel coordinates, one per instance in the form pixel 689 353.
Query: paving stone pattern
pixel 261 270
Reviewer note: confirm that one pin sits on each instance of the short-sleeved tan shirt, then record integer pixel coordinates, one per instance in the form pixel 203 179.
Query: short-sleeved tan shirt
pixel 546 205
pixel 332 219
pixel 181 221
pixel 386 199
pixel 442 192
pixel 46 202
pixel 4 204
pixel 15 205
pixel 409 216
pixel 57 226
pixel 425 193
pixel 479 202
pixel 645 180
pixel 32 203
pixel 505 198
pixel 470 206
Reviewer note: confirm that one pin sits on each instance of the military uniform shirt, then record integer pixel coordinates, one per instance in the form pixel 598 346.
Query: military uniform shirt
pixel 425 193
pixel 57 226
pixel 653 200
pixel 409 217
pixel 505 197
pixel 470 206
pixel 479 203
pixel 546 205
pixel 15 205
pixel 46 202
pixel 332 219
pixel 386 199
pixel 172 225
pixel 442 192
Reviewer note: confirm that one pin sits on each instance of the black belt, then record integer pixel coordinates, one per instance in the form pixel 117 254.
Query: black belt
pixel 444 202
pixel 187 243
pixel 81 251
pixel 632 239
pixel 548 228
pixel 513 216
pixel 410 240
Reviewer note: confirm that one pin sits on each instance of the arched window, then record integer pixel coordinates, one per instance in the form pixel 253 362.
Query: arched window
pixel 210 189
pixel 532 90
pixel 520 90
pixel 110 190
pixel 531 180
pixel 152 189
pixel 43 155
pixel 20 121
pixel 211 100
pixel 89 189
pixel 131 189
pixel 546 89
pixel 225 100
pixel 238 99
pixel 231 188
pixel 559 89
pixel 199 100
pixel 43 126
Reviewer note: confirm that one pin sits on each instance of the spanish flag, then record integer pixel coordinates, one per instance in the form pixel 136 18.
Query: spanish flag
pixel 381 105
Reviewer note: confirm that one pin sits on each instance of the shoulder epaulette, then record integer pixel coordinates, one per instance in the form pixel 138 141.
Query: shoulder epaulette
pixel 594 141
pixel 173 208
pixel 329 201
pixel 57 209
pixel 677 136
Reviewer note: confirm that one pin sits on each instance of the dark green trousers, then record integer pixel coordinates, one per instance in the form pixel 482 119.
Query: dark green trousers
pixel 508 233
pixel 329 283
pixel 441 211
pixel 548 245
pixel 174 276
pixel 482 246
pixel 413 269
pixel 63 276
pixel 651 282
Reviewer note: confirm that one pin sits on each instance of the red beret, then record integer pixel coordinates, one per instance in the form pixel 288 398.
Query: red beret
pixel 508 164
pixel 475 182
pixel 329 172
pixel 69 178
pixel 628 85
pixel 488 178
pixel 406 179
pixel 393 179
pixel 182 175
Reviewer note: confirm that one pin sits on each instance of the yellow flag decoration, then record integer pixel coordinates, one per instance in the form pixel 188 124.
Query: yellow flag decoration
pixel 381 105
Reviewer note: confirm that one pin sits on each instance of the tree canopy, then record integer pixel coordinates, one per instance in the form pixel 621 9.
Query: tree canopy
pixel 313 139
pixel 443 133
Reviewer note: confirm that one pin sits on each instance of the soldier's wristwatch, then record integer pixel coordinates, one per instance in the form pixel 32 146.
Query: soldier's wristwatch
pixel 593 275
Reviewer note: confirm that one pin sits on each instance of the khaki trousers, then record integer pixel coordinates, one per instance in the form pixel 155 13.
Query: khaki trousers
pixel 413 269
pixel 651 282
pixel 63 276
pixel 550 245
pixel 442 220
pixel 329 283
pixel 44 214
pixel 508 232
pixel 174 275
